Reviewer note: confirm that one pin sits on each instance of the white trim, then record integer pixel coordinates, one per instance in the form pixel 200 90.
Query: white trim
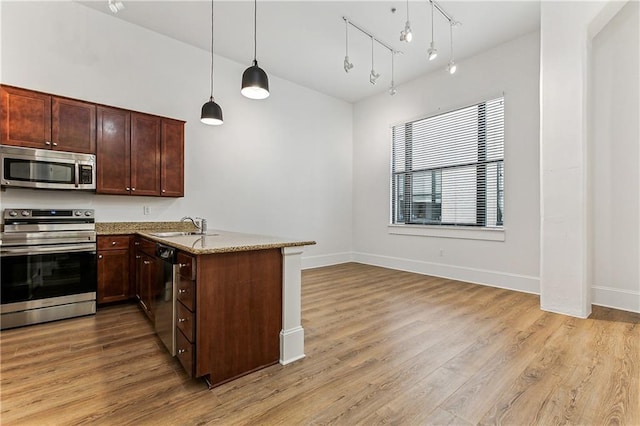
pixel 292 333
pixel 467 233
pixel 291 345
pixel 326 260
pixel 616 298
pixel 516 282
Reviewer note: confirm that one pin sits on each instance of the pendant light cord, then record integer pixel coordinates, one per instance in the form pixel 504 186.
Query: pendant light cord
pixel 255 30
pixel 371 53
pixel 451 38
pixel 346 37
pixel 211 95
pixel 407 10
pixel 431 21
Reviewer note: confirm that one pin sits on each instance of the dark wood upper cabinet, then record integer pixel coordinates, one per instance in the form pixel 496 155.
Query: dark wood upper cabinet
pixel 113 151
pixel 172 158
pixel 73 125
pixel 38 120
pixel 145 154
pixel 26 118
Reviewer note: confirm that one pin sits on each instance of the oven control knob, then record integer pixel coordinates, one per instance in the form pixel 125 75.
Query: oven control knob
pixel 78 213
pixel 13 213
pixel 25 213
pixel 87 213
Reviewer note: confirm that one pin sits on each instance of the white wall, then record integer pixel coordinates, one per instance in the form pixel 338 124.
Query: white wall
pixel 282 166
pixel 614 150
pixel 512 68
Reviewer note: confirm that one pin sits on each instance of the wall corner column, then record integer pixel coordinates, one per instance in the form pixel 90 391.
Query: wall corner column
pixel 292 333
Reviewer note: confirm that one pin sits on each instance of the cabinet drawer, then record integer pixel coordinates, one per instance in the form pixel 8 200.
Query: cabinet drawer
pixel 113 242
pixel 146 246
pixel 186 266
pixel 185 352
pixel 186 292
pixel 185 321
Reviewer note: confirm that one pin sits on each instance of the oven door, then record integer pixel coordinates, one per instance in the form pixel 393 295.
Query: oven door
pixel 34 275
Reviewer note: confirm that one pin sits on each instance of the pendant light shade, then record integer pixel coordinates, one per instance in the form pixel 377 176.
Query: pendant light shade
pixel 255 83
pixel 211 113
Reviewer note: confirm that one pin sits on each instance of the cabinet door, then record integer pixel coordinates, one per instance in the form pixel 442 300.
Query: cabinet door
pixel 73 125
pixel 147 282
pixel 113 275
pixel 172 158
pixel 113 151
pixel 145 154
pixel 25 118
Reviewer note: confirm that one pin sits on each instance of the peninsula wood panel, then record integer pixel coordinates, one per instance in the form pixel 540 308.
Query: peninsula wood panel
pixel 239 312
pixel 381 346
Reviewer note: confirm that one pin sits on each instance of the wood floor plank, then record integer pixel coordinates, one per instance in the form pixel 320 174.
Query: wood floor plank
pixel 382 346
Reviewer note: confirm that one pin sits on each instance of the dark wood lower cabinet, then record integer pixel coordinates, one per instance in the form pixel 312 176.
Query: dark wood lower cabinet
pixel 114 268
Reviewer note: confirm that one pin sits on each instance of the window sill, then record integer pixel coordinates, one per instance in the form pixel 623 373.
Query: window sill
pixel 487 234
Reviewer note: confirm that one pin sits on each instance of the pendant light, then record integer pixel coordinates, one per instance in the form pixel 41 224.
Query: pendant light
pixel 374 75
pixel 211 112
pixel 255 83
pixel 348 65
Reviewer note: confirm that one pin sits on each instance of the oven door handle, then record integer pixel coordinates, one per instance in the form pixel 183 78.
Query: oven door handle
pixel 48 249
pixel 77 174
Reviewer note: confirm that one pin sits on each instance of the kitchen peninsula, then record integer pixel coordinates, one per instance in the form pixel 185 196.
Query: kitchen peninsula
pixel 237 295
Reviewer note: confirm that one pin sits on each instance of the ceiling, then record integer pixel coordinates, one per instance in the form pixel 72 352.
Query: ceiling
pixel 304 41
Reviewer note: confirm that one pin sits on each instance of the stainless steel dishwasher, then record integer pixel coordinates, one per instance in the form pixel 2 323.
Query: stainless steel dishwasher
pixel 165 300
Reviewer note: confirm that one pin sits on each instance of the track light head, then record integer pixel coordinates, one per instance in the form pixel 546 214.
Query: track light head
pixel 347 64
pixel 452 67
pixel 432 52
pixel 115 6
pixel 392 89
pixel 373 77
pixel 406 34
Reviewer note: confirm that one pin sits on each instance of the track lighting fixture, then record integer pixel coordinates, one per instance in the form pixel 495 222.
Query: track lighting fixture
pixel 432 51
pixel 451 67
pixel 347 64
pixel 406 34
pixel 392 88
pixel 255 83
pixel 115 6
pixel 211 113
pixel 373 77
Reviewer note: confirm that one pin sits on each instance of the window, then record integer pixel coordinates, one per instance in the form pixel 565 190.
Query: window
pixel 448 169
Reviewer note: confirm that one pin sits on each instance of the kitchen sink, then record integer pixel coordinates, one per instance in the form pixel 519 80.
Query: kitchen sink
pixel 173 234
pixel 178 234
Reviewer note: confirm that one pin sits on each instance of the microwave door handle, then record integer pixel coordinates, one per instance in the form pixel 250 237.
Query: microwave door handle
pixel 67 248
pixel 77 174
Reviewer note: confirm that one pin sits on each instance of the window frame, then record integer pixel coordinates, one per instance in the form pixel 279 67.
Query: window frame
pixel 461 231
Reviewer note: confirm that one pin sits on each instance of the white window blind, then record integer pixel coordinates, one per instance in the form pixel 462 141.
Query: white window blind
pixel 448 169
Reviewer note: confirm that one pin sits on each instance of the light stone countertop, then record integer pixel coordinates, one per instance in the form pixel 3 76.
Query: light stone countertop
pixel 215 241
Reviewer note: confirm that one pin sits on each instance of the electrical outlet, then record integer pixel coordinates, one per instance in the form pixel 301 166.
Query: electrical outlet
pixel 146 210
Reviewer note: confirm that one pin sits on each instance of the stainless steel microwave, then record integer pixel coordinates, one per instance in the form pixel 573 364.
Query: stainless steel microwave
pixel 47 169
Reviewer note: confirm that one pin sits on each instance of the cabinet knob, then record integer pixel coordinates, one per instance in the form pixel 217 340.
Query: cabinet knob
pixel 137 243
pixel 55 144
pixel 182 291
pixel 182 319
pixel 182 265
pixel 138 257
pixel 113 243
pixel 128 189
pixel 99 256
pixel 47 143
pixel 133 189
pixel 181 351
pixel 147 262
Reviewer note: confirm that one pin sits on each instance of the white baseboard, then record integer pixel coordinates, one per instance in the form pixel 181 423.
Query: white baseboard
pixel 522 283
pixel 326 260
pixel 616 298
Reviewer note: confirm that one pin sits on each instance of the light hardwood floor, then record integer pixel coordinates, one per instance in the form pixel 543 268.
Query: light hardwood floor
pixel 382 347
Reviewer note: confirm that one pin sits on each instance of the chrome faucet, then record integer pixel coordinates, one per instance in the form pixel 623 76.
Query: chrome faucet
pixel 198 222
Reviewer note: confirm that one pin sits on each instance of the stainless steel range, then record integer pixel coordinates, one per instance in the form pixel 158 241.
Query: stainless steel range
pixel 48 265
